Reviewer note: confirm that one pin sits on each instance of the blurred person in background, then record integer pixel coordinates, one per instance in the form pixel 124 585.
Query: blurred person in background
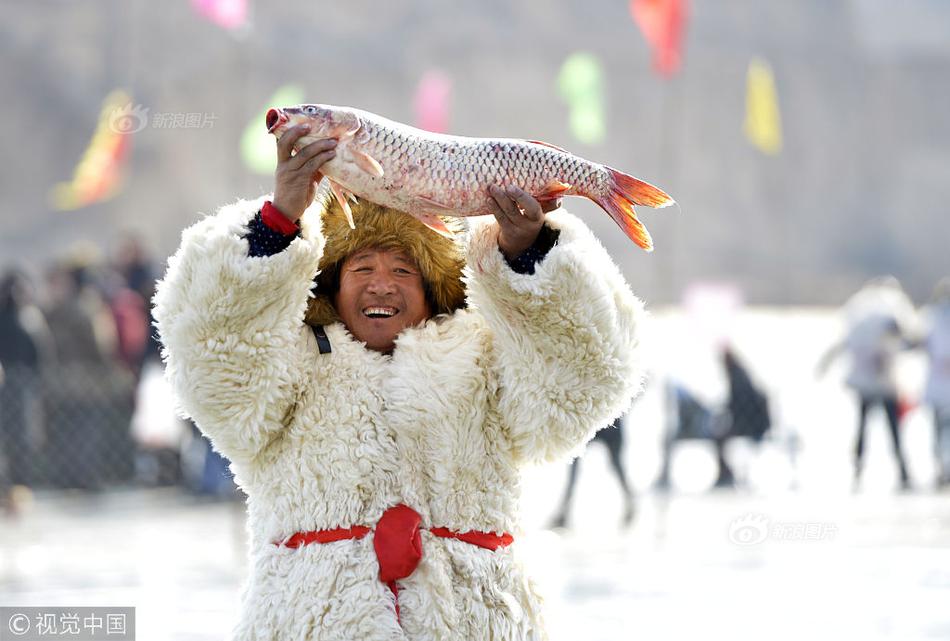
pixel 135 266
pixel 24 352
pixel 747 405
pixel 937 392
pixel 879 320
pixel 612 438
pixel 88 395
pixel 688 419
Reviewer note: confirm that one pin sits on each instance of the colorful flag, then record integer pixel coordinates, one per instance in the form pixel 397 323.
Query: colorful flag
pixel 763 123
pixel 662 23
pixel 432 102
pixel 258 149
pixel 581 85
pixel 99 174
pixel 228 14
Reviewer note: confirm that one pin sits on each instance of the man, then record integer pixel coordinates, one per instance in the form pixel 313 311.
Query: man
pixel 379 423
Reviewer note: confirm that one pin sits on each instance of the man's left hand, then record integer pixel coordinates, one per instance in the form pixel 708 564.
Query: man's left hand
pixel 520 217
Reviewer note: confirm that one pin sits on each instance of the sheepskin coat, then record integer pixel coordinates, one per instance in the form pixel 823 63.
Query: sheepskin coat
pixel 524 374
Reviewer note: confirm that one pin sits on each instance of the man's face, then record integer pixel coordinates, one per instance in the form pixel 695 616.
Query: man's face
pixel 381 293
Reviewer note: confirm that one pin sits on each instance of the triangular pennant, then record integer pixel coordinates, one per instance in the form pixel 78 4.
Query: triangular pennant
pixel 99 173
pixel 763 123
pixel 662 23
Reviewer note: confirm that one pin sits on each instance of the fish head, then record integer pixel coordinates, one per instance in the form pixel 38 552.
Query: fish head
pixel 325 121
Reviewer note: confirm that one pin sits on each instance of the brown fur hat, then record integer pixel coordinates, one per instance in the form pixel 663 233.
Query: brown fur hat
pixel 440 259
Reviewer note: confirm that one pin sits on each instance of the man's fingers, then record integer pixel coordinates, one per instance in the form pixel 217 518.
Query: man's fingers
pixel 497 211
pixel 311 151
pixel 527 202
pixel 504 202
pixel 550 205
pixel 285 144
pixel 317 161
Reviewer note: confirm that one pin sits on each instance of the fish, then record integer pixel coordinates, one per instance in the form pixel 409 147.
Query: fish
pixel 429 175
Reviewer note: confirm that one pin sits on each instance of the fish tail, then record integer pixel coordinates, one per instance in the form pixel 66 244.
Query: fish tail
pixel 622 193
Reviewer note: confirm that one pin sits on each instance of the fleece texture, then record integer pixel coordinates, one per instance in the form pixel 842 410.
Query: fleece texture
pixel 524 372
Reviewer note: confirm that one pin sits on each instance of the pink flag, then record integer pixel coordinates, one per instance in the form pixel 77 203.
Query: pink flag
pixel 229 14
pixel 432 102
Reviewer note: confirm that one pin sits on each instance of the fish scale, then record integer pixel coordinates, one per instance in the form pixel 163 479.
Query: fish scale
pixel 429 175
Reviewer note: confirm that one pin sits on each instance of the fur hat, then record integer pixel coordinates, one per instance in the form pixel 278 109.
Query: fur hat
pixel 440 259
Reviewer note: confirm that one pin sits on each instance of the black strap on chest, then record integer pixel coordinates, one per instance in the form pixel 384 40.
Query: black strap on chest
pixel 323 343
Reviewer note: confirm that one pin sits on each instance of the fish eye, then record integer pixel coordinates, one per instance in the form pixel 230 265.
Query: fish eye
pixel 310 110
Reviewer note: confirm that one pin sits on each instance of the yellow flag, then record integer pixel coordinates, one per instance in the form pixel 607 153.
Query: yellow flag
pixel 763 123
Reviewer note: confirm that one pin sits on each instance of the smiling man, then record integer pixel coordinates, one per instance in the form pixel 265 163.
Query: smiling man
pixel 378 420
pixel 380 294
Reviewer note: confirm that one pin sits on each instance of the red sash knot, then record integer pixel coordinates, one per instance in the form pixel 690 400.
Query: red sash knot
pixel 397 542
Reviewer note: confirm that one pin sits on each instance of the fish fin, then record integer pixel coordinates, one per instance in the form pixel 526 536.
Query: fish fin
pixel 427 203
pixel 434 223
pixel 553 190
pixel 547 144
pixel 367 163
pixel 341 194
pixel 623 193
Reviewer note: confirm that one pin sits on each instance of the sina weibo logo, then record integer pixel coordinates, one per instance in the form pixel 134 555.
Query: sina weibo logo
pixel 128 119
pixel 750 529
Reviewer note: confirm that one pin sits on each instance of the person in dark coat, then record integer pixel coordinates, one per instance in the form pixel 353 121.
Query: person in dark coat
pixel 24 347
pixel 612 438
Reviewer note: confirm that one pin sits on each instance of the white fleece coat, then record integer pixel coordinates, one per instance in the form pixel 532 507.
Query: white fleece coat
pixel 526 373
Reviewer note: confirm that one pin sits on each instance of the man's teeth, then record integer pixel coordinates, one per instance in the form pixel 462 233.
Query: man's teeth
pixel 376 312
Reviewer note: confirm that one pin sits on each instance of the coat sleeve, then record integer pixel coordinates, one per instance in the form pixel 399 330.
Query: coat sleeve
pixel 565 339
pixel 232 329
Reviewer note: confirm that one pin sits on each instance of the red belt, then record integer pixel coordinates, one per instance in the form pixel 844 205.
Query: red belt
pixel 397 542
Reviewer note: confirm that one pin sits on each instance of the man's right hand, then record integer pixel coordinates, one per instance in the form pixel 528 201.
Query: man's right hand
pixel 297 175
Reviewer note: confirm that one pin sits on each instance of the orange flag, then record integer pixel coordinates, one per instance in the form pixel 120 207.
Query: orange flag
pixel 98 176
pixel 662 23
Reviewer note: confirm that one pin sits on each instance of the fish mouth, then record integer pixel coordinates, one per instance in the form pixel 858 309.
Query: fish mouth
pixel 274 119
pixel 380 311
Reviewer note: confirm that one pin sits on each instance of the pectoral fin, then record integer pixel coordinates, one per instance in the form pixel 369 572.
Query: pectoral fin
pixel 341 194
pixel 367 163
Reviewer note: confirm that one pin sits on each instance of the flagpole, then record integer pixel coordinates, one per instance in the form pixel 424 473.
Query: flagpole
pixel 672 106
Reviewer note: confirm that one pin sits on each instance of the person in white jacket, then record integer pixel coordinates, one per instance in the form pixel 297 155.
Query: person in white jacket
pixel 378 420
